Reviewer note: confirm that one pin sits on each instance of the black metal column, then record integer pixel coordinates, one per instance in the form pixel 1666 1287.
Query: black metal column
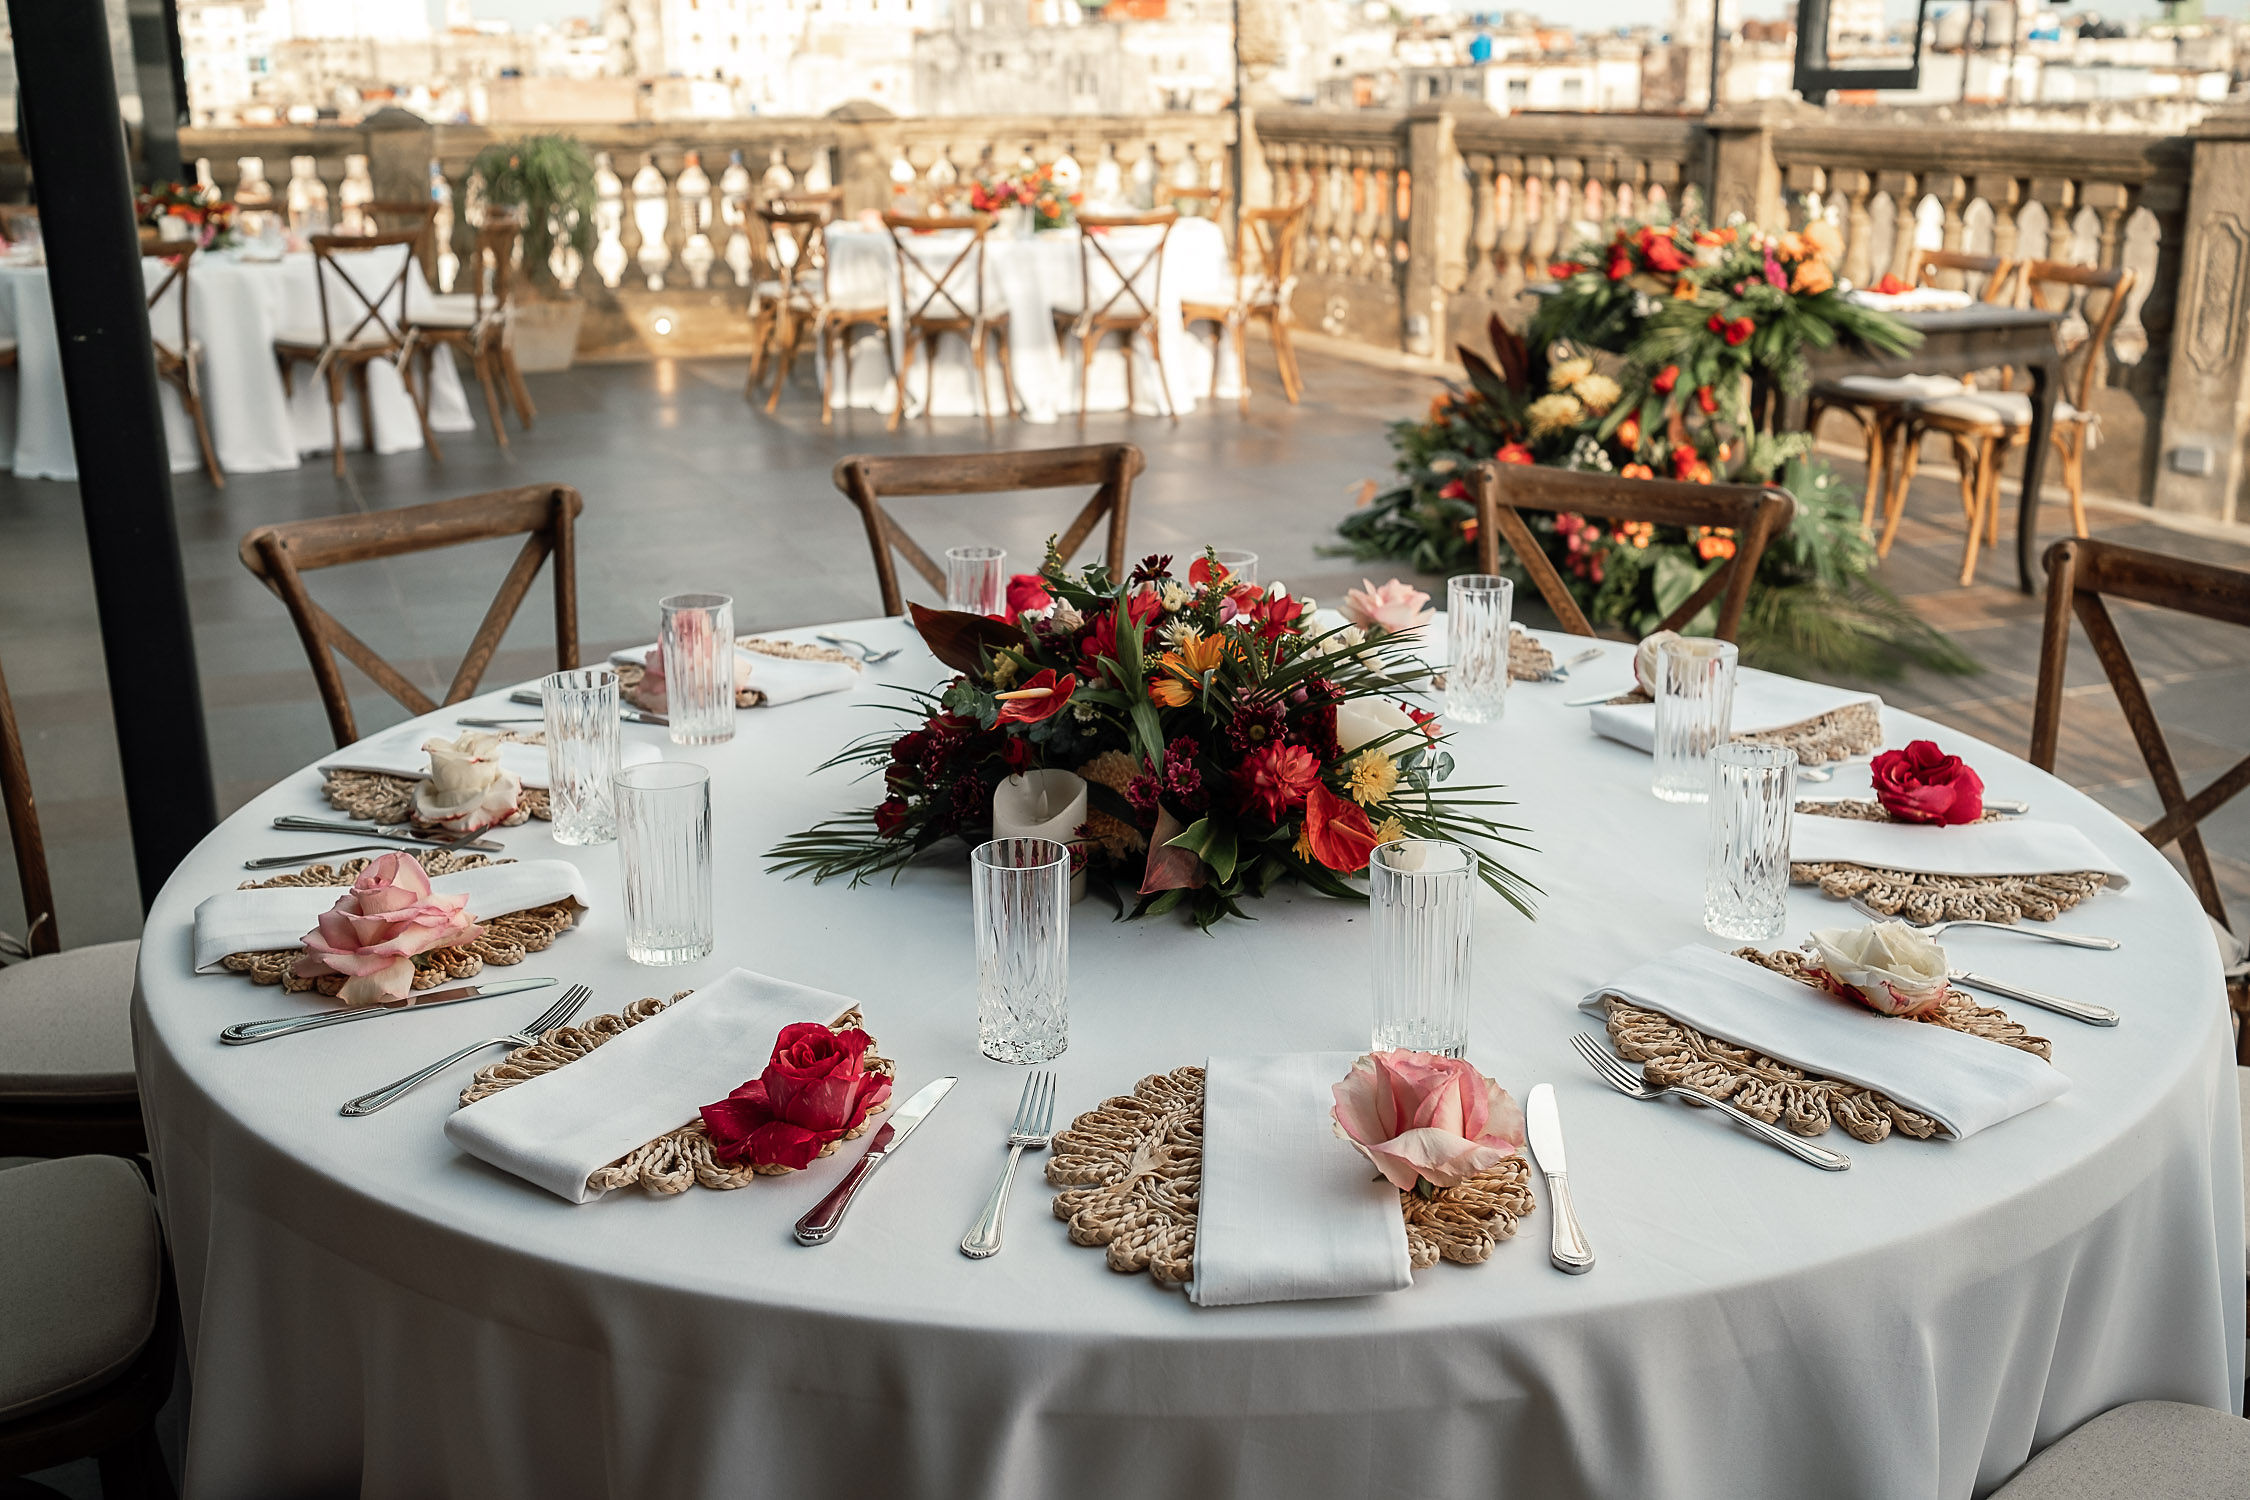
pixel 160 77
pixel 75 140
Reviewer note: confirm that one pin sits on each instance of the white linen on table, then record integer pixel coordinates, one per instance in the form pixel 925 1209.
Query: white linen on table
pixel 271 918
pixel 1288 1211
pixel 1762 702
pixel 1911 1328
pixel 2011 846
pixel 782 679
pixel 399 752
pixel 1965 1083
pixel 557 1130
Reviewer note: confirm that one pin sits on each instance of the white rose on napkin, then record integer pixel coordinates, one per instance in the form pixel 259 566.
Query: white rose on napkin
pixel 467 790
pixel 1644 659
pixel 1885 966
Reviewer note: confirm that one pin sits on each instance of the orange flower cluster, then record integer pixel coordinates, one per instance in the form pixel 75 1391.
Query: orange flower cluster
pixel 1713 542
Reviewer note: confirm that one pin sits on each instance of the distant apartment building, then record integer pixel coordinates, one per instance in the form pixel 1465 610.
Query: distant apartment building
pixel 1050 57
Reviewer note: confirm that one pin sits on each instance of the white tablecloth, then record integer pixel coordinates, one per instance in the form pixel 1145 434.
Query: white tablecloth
pixel 372 1312
pixel 235 308
pixel 1030 278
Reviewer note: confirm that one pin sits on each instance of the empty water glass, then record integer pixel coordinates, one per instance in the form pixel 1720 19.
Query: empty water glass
pixel 1241 566
pixel 1694 710
pixel 664 843
pixel 1022 895
pixel 1477 610
pixel 976 580
pixel 1423 892
pixel 1746 885
pixel 581 710
pixel 698 646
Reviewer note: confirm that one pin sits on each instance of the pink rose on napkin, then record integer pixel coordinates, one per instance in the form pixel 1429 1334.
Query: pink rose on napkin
pixel 466 789
pixel 373 932
pixel 1427 1122
pixel 1395 607
pixel 1923 784
pixel 815 1089
pixel 649 692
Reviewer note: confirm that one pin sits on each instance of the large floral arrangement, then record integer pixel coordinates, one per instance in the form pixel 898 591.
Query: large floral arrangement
pixel 1653 357
pixel 1226 745
pixel 210 217
pixel 1053 205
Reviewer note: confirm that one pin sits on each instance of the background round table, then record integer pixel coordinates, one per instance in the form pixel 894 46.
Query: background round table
pixel 370 1311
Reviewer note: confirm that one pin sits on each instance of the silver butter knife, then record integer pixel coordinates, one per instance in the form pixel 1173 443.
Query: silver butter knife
pixel 819 1225
pixel 2077 1010
pixel 242 1033
pixel 1567 1246
pixel 626 712
pixel 396 833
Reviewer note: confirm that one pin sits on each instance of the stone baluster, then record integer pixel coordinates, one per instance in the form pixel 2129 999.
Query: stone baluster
pixel 2112 202
pixel 734 218
pixel 1952 193
pixel 2057 198
pixel 1664 186
pixel 1367 209
pixel 1546 230
pixel 777 179
pixel 1484 228
pixel 2001 193
pixel 819 176
pixel 1141 178
pixel 1515 233
pixel 692 190
pixel 1906 221
pixel 1569 201
pixel 611 254
pixel 652 215
pixel 1854 189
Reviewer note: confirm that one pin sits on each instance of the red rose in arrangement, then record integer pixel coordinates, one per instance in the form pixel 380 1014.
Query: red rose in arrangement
pixel 1510 453
pixel 1339 833
pixel 1456 490
pixel 1563 270
pixel 815 1089
pixel 1658 249
pixel 1740 330
pixel 1706 400
pixel 1620 261
pixel 1665 380
pixel 1026 591
pixel 1040 698
pixel 1922 784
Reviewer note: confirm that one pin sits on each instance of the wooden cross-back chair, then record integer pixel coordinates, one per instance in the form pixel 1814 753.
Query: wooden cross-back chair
pixel 357 327
pixel 1265 280
pixel 1195 200
pixel 179 358
pixel 1750 514
pixel 543 514
pixel 867 480
pixel 1129 307
pixel 476 323
pixel 944 294
pixel 797 244
pixel 2082 575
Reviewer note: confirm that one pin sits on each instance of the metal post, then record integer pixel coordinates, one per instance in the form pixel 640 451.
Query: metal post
pixel 75 139
pixel 160 77
pixel 1713 102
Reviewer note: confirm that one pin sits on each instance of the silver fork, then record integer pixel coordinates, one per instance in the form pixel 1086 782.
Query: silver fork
pixel 1632 1085
pixel 548 1019
pixel 1034 1126
pixel 2067 939
pixel 1560 671
pixel 866 652
pixel 283 861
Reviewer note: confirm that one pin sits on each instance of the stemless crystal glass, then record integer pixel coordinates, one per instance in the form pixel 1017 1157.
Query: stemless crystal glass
pixel 1746 886
pixel 699 667
pixel 581 709
pixel 1023 948
pixel 1477 608
pixel 1241 566
pixel 1694 709
pixel 664 840
pixel 976 579
pixel 1424 896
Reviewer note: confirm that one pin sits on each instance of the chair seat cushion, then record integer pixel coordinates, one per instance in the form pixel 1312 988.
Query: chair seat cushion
pixel 444 310
pixel 2006 409
pixel 1889 388
pixel 81 1267
pixel 65 1036
pixel 2146 1449
pixel 310 338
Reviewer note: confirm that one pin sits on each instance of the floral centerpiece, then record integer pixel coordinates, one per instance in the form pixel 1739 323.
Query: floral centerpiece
pixel 1053 205
pixel 208 218
pixel 1226 746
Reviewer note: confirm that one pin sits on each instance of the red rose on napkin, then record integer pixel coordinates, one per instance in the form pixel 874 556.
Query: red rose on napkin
pixel 814 1090
pixel 1923 784
pixel 1422 1118
pixel 373 932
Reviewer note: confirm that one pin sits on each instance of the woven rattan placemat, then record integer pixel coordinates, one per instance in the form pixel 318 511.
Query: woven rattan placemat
pixel 1854 729
pixel 1923 898
pixel 1131 1171
pixel 629 674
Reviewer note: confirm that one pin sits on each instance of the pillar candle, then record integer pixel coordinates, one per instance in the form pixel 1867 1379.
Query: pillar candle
pixel 1042 805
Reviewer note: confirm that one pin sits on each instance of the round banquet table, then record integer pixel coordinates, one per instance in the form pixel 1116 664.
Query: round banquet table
pixel 371 1312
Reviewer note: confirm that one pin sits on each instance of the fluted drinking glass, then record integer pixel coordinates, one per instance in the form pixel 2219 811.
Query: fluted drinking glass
pixel 1746 884
pixel 1022 896
pixel 664 842
pixel 1694 711
pixel 581 712
pixel 976 580
pixel 1241 566
pixel 1477 611
pixel 698 649
pixel 1423 894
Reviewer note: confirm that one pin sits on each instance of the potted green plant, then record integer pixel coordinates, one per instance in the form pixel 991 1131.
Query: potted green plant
pixel 547 182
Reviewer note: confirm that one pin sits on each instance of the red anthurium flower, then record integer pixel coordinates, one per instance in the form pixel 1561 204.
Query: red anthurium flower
pixel 1340 835
pixel 1206 572
pixel 1454 490
pixel 1658 249
pixel 814 1089
pixel 1717 323
pixel 1706 399
pixel 1620 262
pixel 1666 378
pixel 1563 270
pixel 1512 453
pixel 1037 699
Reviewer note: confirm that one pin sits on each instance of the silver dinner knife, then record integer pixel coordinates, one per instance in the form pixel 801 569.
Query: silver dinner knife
pixel 394 833
pixel 242 1033
pixel 626 712
pixel 2077 1010
pixel 1567 1246
pixel 819 1225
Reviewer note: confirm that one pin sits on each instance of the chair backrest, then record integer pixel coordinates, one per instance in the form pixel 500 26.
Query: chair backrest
pixel 799 242
pixel 2081 576
pixel 1752 515
pixel 491 265
pixel 354 288
pixel 1265 252
pixel 170 294
pixel 2059 286
pixel 543 514
pixel 932 286
pixel 23 829
pixel 1135 265
pixel 1196 202
pixel 1998 271
pixel 827 202
pixel 866 480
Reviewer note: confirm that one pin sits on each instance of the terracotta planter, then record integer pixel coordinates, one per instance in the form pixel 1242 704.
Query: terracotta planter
pixel 545 333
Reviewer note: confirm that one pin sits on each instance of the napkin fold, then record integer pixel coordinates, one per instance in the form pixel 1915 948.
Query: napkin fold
pixel 2012 846
pixel 1965 1083
pixel 275 917
pixel 1762 702
pixel 781 679
pixel 1288 1212
pixel 399 752
pixel 560 1128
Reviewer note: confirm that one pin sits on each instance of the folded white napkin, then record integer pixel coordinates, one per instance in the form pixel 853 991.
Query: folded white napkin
pixel 782 679
pixel 560 1128
pixel 399 752
pixel 1762 701
pixel 2012 846
pixel 1918 299
pixel 262 921
pixel 1289 1210
pixel 1963 1082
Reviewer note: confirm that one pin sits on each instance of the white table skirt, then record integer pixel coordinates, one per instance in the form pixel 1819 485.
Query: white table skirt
pixel 1030 278
pixel 371 1312
pixel 235 309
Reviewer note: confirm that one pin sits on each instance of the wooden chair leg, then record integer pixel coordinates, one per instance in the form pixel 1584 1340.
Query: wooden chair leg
pixel 929 377
pixel 1994 460
pixel 421 408
pixel 484 359
pixel 977 373
pixel 1163 381
pixel 1965 464
pixel 1877 438
pixel 1983 496
pixel 823 338
pixel 905 368
pixel 1900 479
pixel 1086 338
pixel 1237 328
pixel 1007 373
pixel 336 414
pixel 1285 354
pixel 788 338
pixel 194 403
pixel 2073 452
pixel 761 331
pixel 518 392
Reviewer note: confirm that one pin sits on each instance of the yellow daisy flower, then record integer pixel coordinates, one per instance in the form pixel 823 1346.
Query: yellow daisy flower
pixel 1374 777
